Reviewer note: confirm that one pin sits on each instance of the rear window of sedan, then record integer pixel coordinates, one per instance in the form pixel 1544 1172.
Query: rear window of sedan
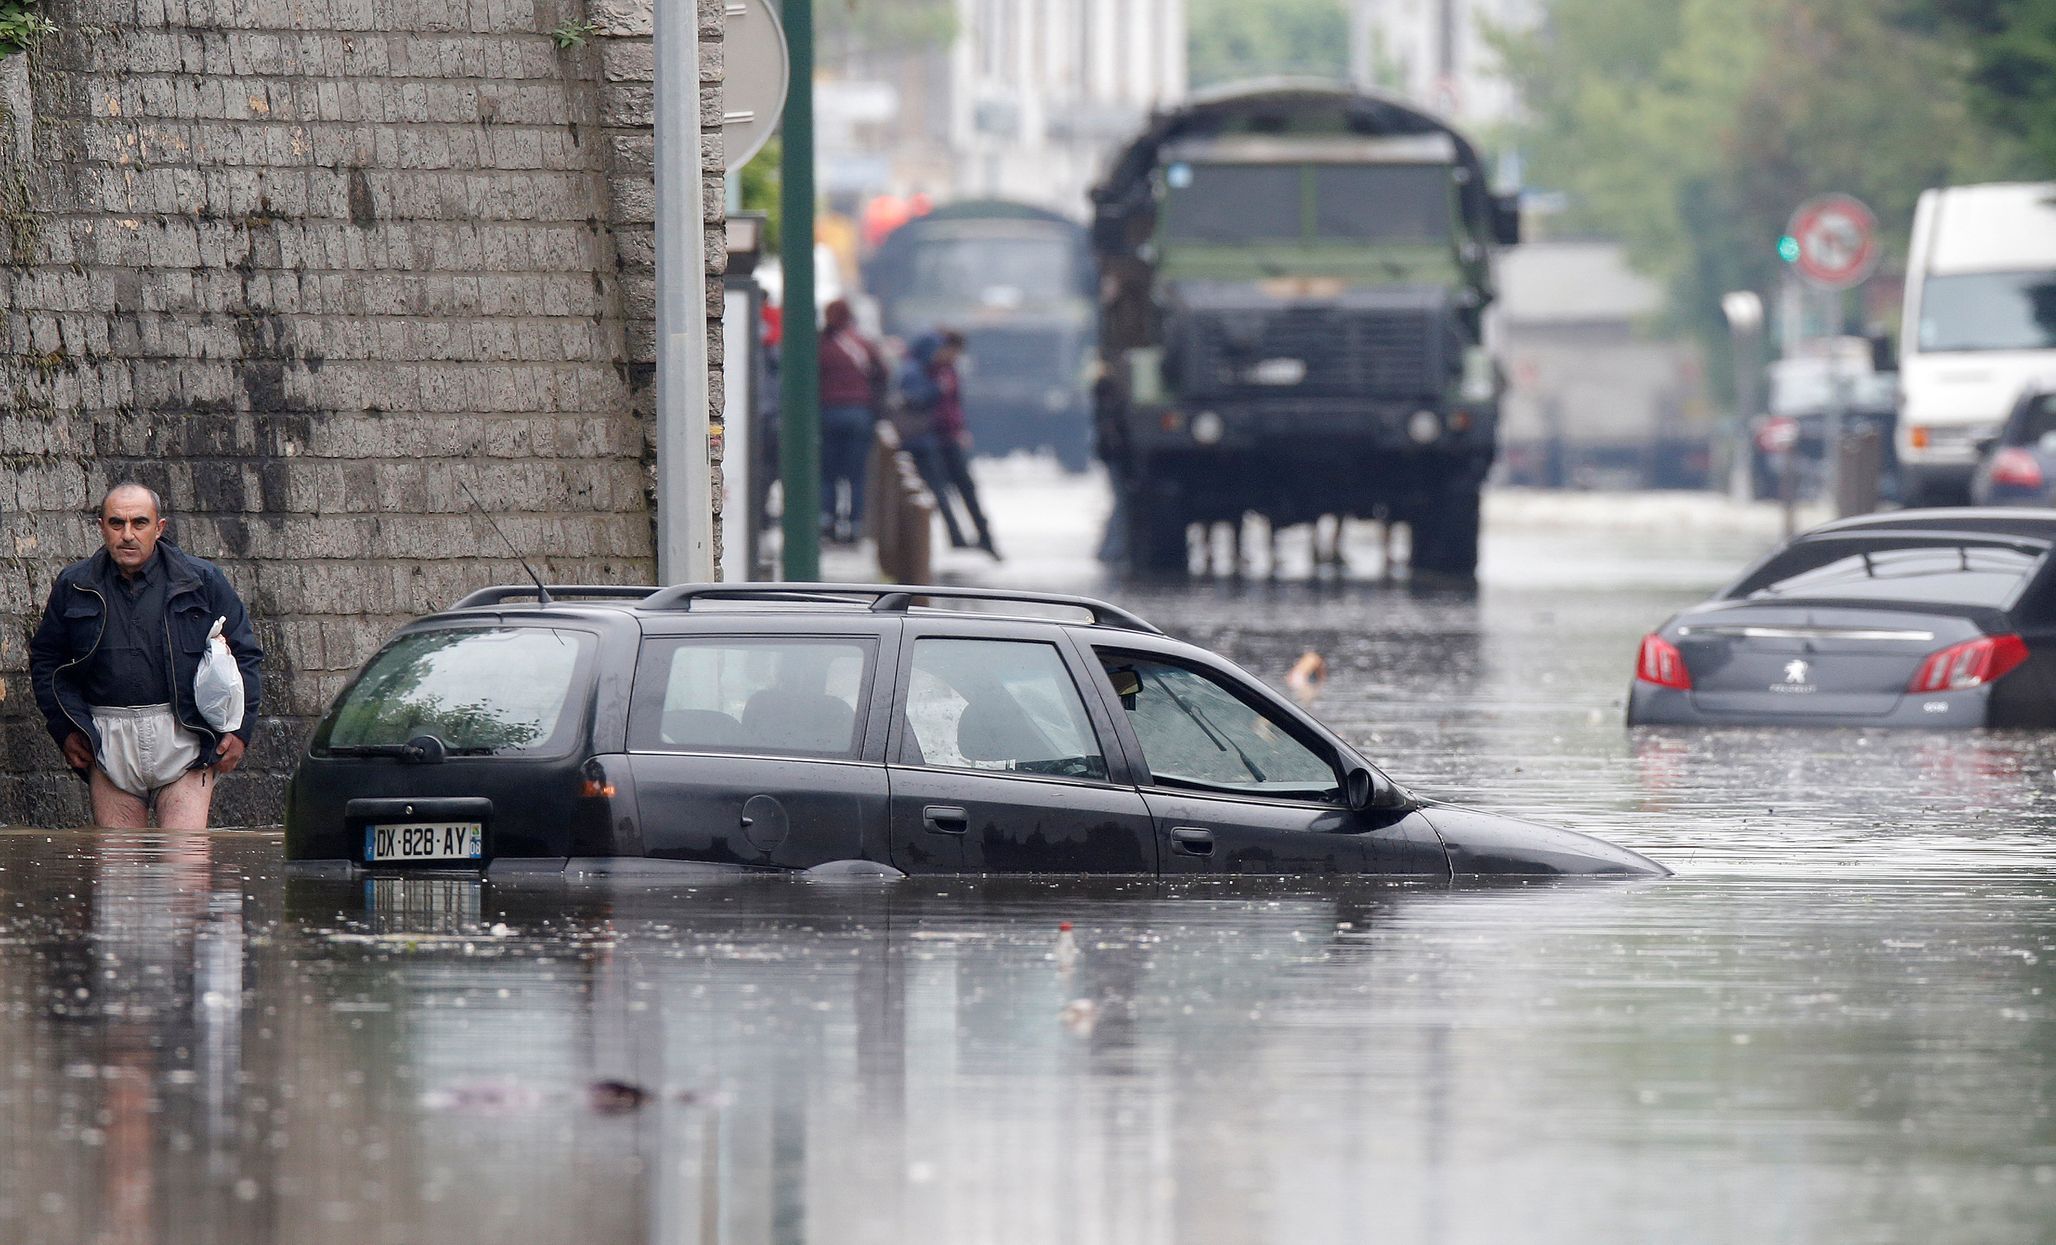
pixel 479 690
pixel 762 695
pixel 1940 570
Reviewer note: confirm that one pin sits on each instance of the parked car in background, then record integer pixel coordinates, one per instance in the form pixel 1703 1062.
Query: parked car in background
pixel 1929 618
pixel 1849 372
pixel 848 728
pixel 2019 467
pixel 1978 325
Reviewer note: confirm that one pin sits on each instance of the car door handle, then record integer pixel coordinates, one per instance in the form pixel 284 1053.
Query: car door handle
pixel 945 819
pixel 1192 840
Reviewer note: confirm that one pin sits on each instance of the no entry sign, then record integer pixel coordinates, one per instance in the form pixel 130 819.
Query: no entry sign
pixel 1838 241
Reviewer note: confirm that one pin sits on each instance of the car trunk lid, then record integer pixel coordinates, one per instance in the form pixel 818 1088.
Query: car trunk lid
pixel 1807 659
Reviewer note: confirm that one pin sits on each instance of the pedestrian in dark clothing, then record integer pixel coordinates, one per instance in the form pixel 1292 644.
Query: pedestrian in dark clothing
pixel 852 388
pixel 937 434
pixel 113 665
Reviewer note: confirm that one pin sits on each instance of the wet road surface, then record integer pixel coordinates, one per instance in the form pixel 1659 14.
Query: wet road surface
pixel 1834 1025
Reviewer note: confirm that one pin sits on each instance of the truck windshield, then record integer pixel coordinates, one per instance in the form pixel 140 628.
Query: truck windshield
pixel 1989 311
pixel 996 271
pixel 1377 203
pixel 1400 203
pixel 1234 203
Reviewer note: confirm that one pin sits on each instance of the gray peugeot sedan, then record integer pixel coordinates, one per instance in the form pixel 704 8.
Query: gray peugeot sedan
pixel 1925 618
pixel 859 729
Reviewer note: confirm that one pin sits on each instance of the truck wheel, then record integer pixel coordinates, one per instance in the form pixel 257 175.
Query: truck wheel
pixel 1445 536
pixel 1156 535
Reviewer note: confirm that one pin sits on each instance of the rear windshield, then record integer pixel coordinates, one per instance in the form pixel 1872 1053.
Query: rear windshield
pixel 479 690
pixel 1936 570
pixel 767 695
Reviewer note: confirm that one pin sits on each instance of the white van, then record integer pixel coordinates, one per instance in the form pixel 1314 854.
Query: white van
pixel 1980 325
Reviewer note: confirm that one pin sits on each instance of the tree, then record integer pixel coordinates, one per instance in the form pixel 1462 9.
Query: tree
pixel 2012 48
pixel 1690 131
pixel 1234 39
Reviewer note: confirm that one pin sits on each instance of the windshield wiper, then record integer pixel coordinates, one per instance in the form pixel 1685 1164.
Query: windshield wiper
pixel 1221 741
pixel 373 750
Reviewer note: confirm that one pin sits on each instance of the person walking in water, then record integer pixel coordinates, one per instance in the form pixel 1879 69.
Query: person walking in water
pixel 853 379
pixel 113 665
pixel 936 433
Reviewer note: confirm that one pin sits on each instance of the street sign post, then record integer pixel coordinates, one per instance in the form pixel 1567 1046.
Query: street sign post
pixel 1836 239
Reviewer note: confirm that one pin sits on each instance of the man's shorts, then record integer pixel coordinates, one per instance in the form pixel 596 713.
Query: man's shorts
pixel 143 748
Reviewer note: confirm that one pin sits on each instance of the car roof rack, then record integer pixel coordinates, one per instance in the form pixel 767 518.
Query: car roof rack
pixel 500 593
pixel 889 598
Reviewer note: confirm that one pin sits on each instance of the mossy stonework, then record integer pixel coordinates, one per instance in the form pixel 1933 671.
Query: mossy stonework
pixel 309 271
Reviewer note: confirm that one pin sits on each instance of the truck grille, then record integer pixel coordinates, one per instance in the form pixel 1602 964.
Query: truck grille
pixel 1344 353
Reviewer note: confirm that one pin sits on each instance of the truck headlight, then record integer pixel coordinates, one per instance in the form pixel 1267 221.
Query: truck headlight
pixel 1208 428
pixel 1424 427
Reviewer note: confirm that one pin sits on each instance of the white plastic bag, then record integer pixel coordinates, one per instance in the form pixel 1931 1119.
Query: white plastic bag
pixel 218 687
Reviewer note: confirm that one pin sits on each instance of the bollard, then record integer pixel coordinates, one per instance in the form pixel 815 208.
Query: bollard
pixel 882 511
pixel 900 511
pixel 916 524
pixel 1862 461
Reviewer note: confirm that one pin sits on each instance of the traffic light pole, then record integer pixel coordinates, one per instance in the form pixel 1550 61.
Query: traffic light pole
pixel 799 401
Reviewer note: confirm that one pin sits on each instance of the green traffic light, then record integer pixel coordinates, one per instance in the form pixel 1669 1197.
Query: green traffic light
pixel 1788 249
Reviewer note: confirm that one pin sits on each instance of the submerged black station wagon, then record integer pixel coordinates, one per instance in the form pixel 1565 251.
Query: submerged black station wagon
pixel 854 728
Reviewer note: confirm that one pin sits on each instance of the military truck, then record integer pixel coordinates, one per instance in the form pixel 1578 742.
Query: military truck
pixel 1293 279
pixel 1017 281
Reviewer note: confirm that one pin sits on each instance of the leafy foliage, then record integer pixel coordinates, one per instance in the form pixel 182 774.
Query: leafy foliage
pixel 572 32
pixel 1235 39
pixel 2012 50
pixel 856 27
pixel 760 182
pixel 1692 130
pixel 22 26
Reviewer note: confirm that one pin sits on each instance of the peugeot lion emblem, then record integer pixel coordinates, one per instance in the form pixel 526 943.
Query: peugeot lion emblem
pixel 1795 671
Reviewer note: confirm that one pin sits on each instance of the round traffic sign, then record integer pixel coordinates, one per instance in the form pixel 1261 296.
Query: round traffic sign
pixel 754 80
pixel 1837 239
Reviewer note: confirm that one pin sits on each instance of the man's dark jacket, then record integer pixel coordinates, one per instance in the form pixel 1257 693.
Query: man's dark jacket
pixel 196 593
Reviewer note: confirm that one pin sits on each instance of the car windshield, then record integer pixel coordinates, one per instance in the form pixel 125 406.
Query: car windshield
pixel 1940 570
pixel 1989 311
pixel 478 690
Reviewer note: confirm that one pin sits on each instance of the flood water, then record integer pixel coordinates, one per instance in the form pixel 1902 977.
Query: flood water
pixel 1833 1025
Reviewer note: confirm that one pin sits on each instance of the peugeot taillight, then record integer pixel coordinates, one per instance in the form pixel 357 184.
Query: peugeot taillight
pixel 2016 468
pixel 1661 663
pixel 1969 664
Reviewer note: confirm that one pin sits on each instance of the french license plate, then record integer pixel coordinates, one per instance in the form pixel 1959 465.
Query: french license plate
pixel 425 840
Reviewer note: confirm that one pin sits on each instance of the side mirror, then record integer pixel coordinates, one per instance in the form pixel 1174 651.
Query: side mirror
pixel 1984 445
pixel 1366 789
pixel 1361 786
pixel 1506 218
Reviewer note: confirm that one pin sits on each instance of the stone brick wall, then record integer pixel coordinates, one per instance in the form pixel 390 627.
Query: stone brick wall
pixel 310 267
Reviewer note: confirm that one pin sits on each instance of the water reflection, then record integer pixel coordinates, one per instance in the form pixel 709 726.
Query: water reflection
pixel 223 1055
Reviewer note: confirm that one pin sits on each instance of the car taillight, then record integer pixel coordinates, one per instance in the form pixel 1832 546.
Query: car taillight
pixel 1662 664
pixel 2017 468
pixel 1969 664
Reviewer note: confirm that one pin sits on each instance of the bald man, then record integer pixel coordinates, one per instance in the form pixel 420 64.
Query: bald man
pixel 113 665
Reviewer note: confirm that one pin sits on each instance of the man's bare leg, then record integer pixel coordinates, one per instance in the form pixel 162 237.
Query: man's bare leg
pixel 116 809
pixel 185 804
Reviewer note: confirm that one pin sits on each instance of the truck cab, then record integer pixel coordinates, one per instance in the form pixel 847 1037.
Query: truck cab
pixel 1295 281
